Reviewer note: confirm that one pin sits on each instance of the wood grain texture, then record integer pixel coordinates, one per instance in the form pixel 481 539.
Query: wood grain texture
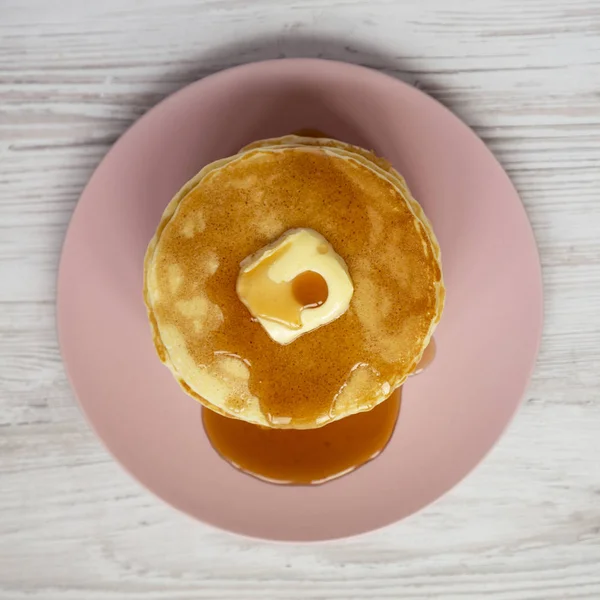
pixel 525 74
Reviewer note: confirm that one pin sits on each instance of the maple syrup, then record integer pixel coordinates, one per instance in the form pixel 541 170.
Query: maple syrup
pixel 308 132
pixel 303 456
pixel 310 289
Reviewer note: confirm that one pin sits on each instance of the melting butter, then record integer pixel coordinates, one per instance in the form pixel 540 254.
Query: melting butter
pixel 295 285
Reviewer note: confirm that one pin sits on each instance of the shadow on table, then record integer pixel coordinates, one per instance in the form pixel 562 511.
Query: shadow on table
pixel 295 46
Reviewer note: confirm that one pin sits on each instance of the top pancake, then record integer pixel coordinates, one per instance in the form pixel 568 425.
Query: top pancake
pixel 233 208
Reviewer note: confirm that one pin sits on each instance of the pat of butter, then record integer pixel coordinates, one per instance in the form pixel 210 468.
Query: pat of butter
pixel 295 285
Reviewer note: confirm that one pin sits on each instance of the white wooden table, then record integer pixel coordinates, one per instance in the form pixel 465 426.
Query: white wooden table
pixel 525 74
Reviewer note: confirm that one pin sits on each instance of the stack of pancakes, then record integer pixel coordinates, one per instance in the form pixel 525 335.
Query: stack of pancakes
pixel 233 207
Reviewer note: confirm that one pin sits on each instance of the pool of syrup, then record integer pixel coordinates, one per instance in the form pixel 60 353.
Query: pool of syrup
pixel 303 456
pixel 310 289
pixel 307 456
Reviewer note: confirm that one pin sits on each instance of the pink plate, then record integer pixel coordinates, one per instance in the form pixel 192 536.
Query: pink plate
pixel 487 340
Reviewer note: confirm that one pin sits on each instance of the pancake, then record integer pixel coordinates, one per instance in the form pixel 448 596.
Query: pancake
pixel 236 206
